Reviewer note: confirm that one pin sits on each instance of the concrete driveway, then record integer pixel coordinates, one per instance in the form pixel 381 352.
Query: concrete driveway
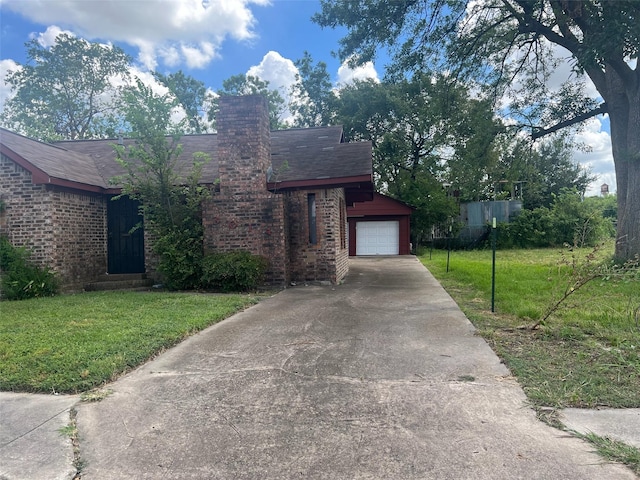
pixel 379 378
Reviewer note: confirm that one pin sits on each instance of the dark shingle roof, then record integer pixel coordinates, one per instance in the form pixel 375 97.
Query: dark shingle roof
pixel 103 155
pixel 53 161
pixel 316 153
pixel 309 154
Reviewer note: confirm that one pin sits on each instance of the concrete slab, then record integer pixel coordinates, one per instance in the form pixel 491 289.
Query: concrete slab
pixel 382 377
pixel 617 424
pixel 31 444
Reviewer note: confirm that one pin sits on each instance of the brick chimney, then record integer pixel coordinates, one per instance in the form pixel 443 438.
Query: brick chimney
pixel 244 144
pixel 244 215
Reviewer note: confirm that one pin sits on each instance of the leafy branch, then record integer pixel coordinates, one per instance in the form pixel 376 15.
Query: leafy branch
pixel 584 272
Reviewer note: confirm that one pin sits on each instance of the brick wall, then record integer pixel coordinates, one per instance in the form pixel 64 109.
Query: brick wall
pixel 328 258
pixel 244 215
pixel 65 230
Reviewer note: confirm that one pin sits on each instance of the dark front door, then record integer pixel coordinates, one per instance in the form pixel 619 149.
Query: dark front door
pixel 125 245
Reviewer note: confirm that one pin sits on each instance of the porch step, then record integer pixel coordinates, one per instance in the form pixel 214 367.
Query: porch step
pixel 122 281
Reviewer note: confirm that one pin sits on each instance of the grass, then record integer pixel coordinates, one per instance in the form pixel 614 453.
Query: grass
pixel 615 451
pixel 587 354
pixel 75 343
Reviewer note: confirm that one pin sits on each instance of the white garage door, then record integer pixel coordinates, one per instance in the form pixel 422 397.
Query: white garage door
pixel 377 238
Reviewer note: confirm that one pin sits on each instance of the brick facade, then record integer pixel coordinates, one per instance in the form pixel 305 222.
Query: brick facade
pixel 328 258
pixel 65 230
pixel 63 220
pixel 244 215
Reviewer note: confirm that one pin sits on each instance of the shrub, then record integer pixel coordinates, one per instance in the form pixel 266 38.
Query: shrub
pixel 19 278
pixel 570 220
pixel 180 263
pixel 233 271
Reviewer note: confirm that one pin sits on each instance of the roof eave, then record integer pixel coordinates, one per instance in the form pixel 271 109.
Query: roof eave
pixel 307 184
pixel 40 177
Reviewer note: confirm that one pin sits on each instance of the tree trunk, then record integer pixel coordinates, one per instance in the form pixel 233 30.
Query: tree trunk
pixel 624 115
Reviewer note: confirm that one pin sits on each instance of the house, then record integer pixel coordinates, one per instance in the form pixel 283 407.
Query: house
pixel 281 194
pixel 379 227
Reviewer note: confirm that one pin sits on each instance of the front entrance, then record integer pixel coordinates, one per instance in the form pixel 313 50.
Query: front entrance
pixel 125 247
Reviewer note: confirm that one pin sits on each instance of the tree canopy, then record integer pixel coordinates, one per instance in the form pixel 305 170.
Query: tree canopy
pixel 251 85
pixel 68 91
pixel 512 47
pixel 192 96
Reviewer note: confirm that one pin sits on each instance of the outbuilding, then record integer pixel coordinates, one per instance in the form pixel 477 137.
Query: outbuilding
pixel 379 227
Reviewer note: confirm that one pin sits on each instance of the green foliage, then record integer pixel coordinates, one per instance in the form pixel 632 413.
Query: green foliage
pixel 171 204
pixel 62 92
pixel 250 85
pixel 538 175
pixel 569 220
pixel 19 278
pixel 180 253
pixel 425 131
pixel 509 50
pixel 192 95
pixel 314 101
pixel 234 271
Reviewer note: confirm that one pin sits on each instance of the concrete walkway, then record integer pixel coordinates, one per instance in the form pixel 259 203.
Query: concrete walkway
pixel 379 378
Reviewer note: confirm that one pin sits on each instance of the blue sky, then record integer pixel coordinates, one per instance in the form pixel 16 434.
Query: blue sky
pixel 212 40
pixel 281 26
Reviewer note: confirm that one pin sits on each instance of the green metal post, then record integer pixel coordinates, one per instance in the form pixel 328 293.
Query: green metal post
pixel 493 265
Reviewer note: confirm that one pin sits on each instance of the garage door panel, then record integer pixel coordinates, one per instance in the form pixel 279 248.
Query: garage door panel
pixel 377 238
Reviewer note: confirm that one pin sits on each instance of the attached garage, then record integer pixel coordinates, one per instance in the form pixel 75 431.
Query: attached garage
pixel 379 227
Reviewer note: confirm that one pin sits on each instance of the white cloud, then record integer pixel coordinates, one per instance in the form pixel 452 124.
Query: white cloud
pixel 198 56
pixel 280 72
pixel 347 74
pixel 189 30
pixel 6 66
pixel 48 37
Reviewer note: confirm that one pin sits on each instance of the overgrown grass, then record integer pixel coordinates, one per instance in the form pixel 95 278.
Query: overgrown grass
pixel 586 355
pixel 74 343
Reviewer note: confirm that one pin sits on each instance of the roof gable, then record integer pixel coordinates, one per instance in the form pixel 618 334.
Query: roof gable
pixel 381 205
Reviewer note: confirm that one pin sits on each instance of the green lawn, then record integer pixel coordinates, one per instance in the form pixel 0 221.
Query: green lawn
pixel 585 355
pixel 73 343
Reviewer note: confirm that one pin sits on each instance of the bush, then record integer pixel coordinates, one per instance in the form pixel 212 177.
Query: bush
pixel 19 278
pixel 570 220
pixel 180 255
pixel 233 271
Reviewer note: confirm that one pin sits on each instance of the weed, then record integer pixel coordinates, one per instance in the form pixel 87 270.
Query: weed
pixel 586 357
pixel 615 451
pixel 95 395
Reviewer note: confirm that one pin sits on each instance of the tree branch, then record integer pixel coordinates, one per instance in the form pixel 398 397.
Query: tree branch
pixel 541 132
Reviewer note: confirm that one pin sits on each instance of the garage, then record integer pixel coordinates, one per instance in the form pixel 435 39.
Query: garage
pixel 377 238
pixel 379 227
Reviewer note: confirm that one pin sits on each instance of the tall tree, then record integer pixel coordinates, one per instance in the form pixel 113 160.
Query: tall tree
pixel 251 85
pixel 193 97
pixel 501 41
pixel 538 175
pixel 66 91
pixel 424 131
pixel 313 98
